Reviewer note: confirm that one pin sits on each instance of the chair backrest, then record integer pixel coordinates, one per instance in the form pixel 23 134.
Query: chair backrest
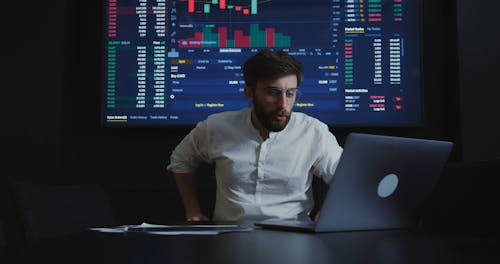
pixel 206 188
pixel 466 200
pixel 320 188
pixel 52 210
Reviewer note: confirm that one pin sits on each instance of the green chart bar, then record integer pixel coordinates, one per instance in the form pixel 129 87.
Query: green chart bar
pixel 257 37
pixel 210 40
pixel 281 40
pixel 253 10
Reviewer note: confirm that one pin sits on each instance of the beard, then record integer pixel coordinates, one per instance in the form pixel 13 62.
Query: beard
pixel 269 120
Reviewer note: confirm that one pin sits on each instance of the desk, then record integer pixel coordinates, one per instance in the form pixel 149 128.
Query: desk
pixel 264 246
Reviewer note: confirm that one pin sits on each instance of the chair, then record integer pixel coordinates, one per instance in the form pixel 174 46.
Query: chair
pixel 52 210
pixel 206 188
pixel 319 188
pixel 466 200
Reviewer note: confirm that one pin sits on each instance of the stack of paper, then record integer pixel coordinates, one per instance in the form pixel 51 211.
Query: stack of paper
pixel 174 229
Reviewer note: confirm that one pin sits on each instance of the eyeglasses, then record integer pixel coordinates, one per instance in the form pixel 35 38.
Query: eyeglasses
pixel 275 93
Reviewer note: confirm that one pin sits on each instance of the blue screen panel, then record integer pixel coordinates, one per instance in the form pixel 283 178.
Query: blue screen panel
pixel 169 63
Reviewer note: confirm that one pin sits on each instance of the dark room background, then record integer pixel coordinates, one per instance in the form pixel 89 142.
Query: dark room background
pixel 50 104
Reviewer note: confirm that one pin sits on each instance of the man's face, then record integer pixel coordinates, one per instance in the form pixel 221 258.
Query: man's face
pixel 273 102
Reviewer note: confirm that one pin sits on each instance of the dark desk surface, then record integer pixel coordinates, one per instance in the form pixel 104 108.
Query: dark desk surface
pixel 264 246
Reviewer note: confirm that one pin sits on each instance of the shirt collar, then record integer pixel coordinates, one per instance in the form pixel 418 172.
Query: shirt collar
pixel 250 126
pixel 272 135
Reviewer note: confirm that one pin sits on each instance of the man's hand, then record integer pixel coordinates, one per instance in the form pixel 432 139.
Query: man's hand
pixel 316 216
pixel 186 182
pixel 197 217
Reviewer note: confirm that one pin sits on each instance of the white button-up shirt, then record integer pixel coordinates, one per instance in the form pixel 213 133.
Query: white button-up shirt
pixel 260 179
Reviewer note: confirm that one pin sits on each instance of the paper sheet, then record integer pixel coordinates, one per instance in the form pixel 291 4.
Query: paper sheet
pixel 146 228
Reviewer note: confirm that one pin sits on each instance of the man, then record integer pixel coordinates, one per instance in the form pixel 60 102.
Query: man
pixel 265 156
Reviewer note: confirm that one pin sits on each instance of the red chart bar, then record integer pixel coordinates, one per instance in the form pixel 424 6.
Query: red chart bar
pixel 241 41
pixel 198 40
pixel 191 6
pixel 222 4
pixel 222 36
pixel 195 42
pixel 269 37
pixel 246 11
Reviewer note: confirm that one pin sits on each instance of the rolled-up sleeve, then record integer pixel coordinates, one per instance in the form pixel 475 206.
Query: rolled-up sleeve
pixel 329 155
pixel 191 151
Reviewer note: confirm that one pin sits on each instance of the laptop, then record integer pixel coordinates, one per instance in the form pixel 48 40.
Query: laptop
pixel 381 182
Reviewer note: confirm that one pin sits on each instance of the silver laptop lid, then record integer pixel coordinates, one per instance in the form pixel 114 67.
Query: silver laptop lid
pixel 382 182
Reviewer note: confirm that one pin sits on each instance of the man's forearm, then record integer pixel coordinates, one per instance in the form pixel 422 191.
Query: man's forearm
pixel 186 183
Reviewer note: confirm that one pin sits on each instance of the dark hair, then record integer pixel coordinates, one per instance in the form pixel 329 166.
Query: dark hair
pixel 267 65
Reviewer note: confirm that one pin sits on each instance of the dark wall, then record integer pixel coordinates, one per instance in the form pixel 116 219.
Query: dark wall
pixel 32 82
pixel 51 105
pixel 32 70
pixel 478 46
